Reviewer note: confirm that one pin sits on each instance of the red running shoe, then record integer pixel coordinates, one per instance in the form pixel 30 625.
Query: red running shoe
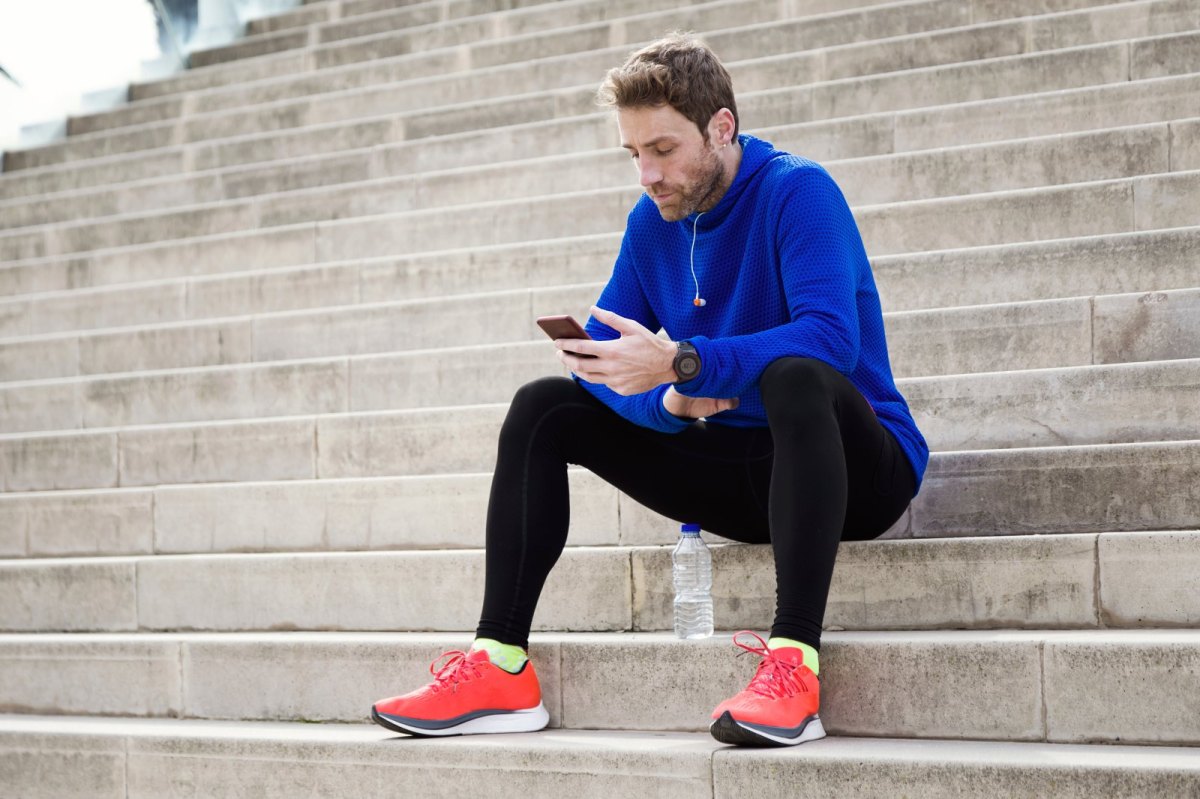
pixel 468 695
pixel 779 706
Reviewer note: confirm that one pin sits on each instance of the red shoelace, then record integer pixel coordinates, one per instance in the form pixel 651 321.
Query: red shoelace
pixel 457 669
pixel 775 677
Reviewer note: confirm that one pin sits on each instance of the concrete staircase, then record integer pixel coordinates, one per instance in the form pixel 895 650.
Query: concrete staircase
pixel 249 417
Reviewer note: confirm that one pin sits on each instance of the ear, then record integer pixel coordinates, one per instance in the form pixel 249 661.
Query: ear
pixel 721 127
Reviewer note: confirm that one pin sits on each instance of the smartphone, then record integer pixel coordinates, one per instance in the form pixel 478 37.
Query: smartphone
pixel 557 327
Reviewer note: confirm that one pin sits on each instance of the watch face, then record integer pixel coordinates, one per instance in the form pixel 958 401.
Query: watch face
pixel 687 364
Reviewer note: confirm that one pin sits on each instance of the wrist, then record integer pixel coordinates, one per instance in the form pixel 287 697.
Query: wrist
pixel 675 404
pixel 667 375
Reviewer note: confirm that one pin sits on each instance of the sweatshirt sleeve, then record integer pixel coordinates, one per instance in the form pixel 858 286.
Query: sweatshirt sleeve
pixel 624 296
pixel 819 250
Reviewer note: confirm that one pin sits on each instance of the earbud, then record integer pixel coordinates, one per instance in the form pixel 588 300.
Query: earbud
pixel 699 302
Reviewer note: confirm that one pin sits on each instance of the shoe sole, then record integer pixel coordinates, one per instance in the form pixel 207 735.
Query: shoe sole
pixel 528 720
pixel 729 730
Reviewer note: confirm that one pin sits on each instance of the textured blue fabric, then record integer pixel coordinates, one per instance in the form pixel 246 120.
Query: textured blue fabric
pixel 782 267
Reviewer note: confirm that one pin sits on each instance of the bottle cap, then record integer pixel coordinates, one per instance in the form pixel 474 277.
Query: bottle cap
pixel 690 528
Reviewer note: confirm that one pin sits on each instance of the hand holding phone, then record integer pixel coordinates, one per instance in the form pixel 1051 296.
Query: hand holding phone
pixel 557 327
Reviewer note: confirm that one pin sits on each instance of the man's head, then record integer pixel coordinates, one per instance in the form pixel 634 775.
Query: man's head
pixel 678 120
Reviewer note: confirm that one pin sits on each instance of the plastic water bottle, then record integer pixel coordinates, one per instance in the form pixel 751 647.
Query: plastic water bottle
pixel 692 569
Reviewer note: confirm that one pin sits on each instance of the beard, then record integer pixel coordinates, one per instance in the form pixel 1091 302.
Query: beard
pixel 703 185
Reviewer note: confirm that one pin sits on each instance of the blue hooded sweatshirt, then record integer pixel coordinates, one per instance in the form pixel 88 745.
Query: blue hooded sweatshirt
pixel 782 268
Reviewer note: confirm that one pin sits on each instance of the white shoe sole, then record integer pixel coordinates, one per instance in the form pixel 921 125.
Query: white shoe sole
pixel 729 730
pixel 528 720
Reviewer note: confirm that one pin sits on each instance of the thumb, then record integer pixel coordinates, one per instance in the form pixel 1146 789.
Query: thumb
pixel 728 404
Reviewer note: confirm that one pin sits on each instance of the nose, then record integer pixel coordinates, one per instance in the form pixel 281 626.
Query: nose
pixel 648 173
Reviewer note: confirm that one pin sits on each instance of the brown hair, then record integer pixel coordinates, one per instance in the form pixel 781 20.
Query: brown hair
pixel 678 70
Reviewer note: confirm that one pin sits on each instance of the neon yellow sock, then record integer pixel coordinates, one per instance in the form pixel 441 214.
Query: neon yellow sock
pixel 810 655
pixel 507 656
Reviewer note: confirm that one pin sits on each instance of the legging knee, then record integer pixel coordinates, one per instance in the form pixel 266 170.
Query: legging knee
pixel 796 388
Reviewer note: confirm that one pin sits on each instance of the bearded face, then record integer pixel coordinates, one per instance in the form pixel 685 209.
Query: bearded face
pixel 693 187
pixel 681 171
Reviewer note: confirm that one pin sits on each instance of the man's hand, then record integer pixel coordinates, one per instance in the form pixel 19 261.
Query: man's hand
pixel 636 362
pixel 695 407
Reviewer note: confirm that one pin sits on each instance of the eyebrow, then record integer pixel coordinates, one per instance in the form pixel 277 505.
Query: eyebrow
pixel 650 143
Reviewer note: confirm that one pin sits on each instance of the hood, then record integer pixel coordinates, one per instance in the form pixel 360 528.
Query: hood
pixel 756 153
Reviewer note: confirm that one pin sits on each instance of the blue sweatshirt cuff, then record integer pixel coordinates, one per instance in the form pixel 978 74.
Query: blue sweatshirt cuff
pixel 666 421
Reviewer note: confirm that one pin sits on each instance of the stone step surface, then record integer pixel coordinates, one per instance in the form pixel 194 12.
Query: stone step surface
pixel 223 74
pixel 348 189
pixel 389 34
pixel 444 42
pixel 428 26
pixel 208 191
pixel 901 32
pixel 1085 582
pixel 1138 487
pixel 1125 403
pixel 1074 67
pixel 110 534
pixel 1113 264
pixel 310 14
pixel 1076 331
pixel 135 758
pixel 146 261
pixel 1009 685
pixel 1094 342
pixel 1146 202
pixel 881 133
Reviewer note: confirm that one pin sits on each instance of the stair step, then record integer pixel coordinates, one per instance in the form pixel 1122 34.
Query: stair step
pixel 1077 331
pixel 59 758
pixel 1060 489
pixel 305 413
pixel 1133 103
pixel 1113 264
pixel 1008 685
pixel 1007 76
pixel 1146 202
pixel 821 47
pixel 345 188
pixel 227 497
pixel 1056 581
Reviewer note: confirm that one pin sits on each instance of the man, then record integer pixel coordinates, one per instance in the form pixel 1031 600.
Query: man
pixel 770 416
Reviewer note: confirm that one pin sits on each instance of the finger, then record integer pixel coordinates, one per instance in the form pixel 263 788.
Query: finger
pixel 615 321
pixel 581 346
pixel 584 367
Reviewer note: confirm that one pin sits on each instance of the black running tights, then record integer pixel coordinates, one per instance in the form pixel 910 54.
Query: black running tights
pixel 823 471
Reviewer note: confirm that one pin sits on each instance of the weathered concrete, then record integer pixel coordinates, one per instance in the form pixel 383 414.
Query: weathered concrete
pixel 275 450
pixel 90 675
pixel 419 512
pixel 287 677
pixel 69 595
pixel 1158 325
pixel 855 768
pixel 58 523
pixel 1061 490
pixel 1151 684
pixel 1149 579
pixel 899 585
pixel 49 763
pixel 367 591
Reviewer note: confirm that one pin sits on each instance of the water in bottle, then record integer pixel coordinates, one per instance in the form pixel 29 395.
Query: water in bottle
pixel 692 570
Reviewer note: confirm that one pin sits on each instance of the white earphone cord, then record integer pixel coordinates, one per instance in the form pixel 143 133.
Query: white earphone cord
pixel 692 258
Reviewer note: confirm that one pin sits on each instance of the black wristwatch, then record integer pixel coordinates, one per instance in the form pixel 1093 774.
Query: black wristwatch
pixel 687 362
